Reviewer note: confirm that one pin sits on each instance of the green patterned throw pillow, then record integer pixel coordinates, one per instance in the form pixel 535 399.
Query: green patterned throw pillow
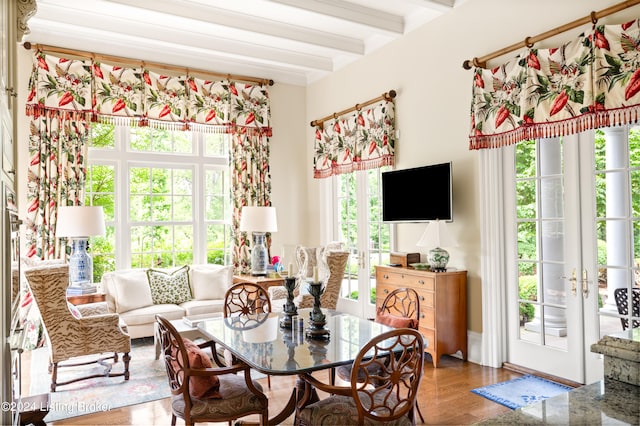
pixel 169 287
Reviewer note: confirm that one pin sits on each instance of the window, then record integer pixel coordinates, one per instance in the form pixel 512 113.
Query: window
pixel 166 197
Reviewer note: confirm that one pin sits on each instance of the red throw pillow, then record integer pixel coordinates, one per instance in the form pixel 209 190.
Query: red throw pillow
pixel 396 321
pixel 201 387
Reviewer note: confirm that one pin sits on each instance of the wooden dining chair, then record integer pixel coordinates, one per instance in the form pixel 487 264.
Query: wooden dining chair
pixel 386 396
pixel 245 300
pixel 399 309
pixel 202 393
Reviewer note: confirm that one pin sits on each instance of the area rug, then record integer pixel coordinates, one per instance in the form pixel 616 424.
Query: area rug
pixel 522 391
pixel 147 382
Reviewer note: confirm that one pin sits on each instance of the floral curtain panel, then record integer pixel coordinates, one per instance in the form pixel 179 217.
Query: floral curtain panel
pixel 362 140
pixel 66 95
pixel 590 82
pixel 251 180
pixel 58 133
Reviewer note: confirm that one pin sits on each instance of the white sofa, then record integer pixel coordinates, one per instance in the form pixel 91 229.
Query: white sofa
pixel 128 294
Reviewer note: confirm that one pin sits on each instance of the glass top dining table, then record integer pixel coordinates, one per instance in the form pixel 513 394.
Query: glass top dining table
pixel 261 343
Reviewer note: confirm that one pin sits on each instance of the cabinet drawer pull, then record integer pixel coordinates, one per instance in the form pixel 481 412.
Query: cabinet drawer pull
pixel 385 291
pixel 421 282
pixel 385 276
pixel 422 316
pixel 422 298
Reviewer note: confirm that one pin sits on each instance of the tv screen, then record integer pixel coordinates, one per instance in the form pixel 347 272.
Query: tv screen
pixel 419 194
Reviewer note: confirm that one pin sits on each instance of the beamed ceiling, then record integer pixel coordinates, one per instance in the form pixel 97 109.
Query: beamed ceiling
pixel 289 41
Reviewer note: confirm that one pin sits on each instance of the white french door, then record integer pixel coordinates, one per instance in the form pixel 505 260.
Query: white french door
pixel 358 224
pixel 570 245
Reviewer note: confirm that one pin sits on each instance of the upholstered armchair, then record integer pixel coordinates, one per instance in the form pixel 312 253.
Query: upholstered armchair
pixel 71 333
pixel 331 267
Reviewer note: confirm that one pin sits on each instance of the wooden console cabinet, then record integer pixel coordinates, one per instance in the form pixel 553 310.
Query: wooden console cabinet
pixel 443 305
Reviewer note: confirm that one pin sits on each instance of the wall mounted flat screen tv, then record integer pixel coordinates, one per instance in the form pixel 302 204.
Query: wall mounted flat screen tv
pixel 418 194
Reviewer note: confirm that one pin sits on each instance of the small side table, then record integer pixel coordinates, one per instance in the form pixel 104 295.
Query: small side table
pixel 81 299
pixel 263 282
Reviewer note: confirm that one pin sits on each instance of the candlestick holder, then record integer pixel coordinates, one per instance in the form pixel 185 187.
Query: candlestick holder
pixel 290 308
pixel 317 320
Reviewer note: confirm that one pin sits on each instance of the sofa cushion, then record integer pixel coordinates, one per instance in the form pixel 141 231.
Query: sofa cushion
pixel 147 315
pixel 169 286
pixel 200 307
pixel 131 290
pixel 210 281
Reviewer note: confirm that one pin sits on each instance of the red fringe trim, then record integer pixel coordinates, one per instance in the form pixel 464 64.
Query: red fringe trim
pixel 599 119
pixel 37 110
pixel 374 163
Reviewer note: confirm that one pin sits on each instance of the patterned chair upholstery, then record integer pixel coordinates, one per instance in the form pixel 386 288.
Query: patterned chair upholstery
pixel 385 397
pixel 72 333
pixel 201 392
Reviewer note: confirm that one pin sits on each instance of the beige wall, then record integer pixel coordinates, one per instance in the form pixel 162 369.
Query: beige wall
pixel 432 106
pixel 432 115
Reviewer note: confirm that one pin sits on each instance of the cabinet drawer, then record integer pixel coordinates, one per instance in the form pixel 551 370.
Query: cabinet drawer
pixel 427 318
pixel 430 336
pixel 382 291
pixel 403 279
pixel 427 299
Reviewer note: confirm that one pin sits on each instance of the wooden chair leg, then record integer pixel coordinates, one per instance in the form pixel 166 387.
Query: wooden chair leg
pixel 126 358
pixel 419 413
pixel 269 381
pixel 54 375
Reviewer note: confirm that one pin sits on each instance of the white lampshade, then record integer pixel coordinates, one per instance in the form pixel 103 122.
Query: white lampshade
pixel 80 221
pixel 436 235
pixel 258 219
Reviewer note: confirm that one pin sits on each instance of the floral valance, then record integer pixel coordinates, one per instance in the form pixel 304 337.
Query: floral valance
pixel 362 140
pixel 138 96
pixel 588 83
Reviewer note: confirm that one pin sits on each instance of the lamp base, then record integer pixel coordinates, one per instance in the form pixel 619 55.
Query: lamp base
pixel 438 259
pixel 80 264
pixel 259 256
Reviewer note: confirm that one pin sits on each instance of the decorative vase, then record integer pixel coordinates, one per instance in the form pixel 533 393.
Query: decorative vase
pixel 438 259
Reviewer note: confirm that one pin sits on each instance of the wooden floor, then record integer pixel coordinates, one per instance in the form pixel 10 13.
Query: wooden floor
pixel 444 398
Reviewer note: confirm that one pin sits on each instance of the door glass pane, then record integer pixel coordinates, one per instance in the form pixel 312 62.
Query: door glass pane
pixel 617 228
pixel 540 232
pixel 348 232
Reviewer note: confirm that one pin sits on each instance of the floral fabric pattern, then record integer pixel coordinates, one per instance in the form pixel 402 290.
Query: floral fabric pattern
pixel 588 83
pixel 251 183
pixel 362 140
pixel 66 95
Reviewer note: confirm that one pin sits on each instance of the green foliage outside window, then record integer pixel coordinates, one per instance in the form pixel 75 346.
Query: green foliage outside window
pixel 161 197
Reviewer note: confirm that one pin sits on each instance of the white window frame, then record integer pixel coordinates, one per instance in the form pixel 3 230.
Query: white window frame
pixel 122 158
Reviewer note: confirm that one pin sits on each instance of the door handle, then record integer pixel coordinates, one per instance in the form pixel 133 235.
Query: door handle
pixel 585 284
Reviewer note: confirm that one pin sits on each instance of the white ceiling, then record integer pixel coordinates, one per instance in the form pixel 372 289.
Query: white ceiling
pixel 289 41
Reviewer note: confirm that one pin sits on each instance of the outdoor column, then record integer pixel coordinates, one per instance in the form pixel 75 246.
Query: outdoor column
pixel 617 207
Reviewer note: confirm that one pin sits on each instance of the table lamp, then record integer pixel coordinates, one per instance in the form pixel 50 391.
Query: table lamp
pixel 258 220
pixel 435 237
pixel 78 223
